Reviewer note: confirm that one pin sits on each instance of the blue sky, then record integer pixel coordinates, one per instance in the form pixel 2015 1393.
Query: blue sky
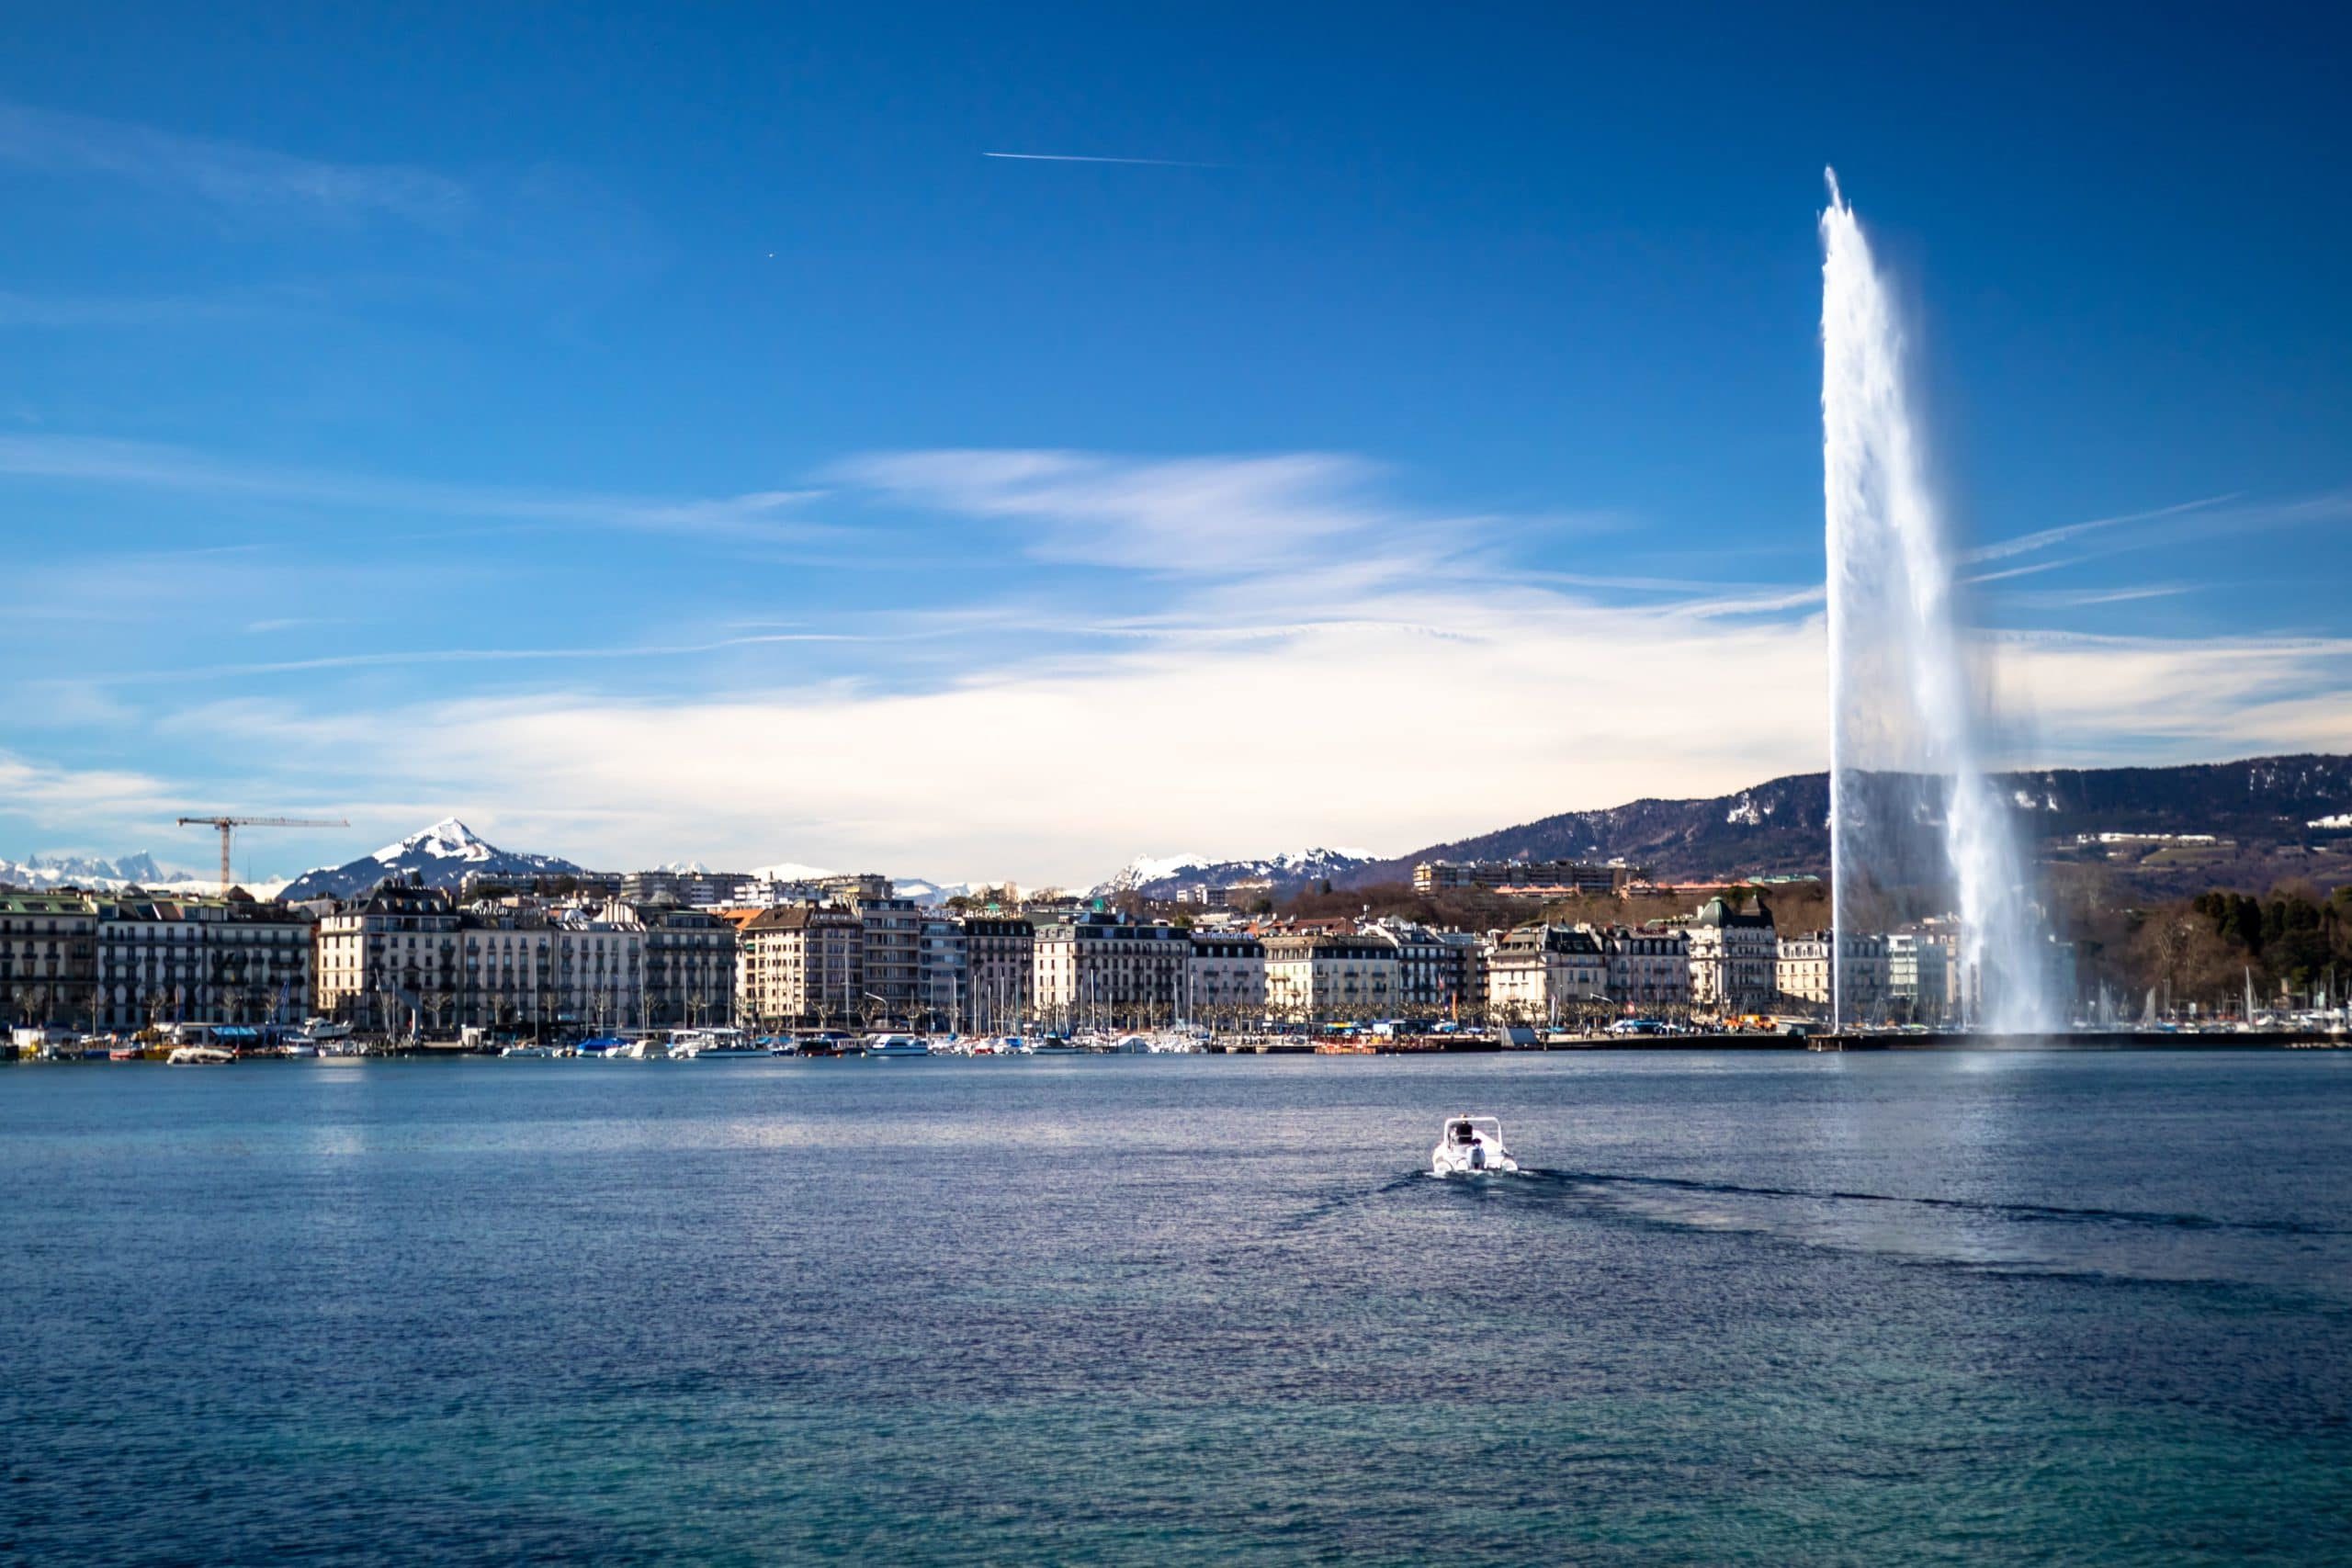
pixel 651 433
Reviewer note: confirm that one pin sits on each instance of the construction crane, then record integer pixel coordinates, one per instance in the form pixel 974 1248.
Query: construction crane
pixel 226 823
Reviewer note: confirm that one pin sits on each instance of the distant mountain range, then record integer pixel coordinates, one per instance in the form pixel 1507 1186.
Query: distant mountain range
pixel 1164 877
pixel 92 874
pixel 2273 809
pixel 442 855
pixel 2263 803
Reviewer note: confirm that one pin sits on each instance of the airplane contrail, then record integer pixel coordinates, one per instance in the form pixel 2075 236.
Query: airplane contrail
pixel 1081 158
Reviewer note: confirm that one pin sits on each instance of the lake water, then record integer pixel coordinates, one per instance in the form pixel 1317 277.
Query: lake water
pixel 1745 1308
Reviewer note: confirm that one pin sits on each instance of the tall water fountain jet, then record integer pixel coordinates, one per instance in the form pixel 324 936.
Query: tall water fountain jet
pixel 1905 752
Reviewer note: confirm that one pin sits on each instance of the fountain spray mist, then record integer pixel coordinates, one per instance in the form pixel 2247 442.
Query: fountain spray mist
pixel 1900 692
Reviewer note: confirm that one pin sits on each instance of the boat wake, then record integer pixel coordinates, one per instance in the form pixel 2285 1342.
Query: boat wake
pixel 2302 1258
pixel 2023 1213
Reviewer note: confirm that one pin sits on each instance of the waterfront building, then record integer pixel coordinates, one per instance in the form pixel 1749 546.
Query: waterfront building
pixel 600 967
pixel 944 977
pixel 1428 970
pixel 524 965
pixel 2061 975
pixel 1735 958
pixel 48 958
pixel 801 965
pixel 1918 977
pixel 1803 974
pixel 1552 875
pixel 1536 974
pixel 231 960
pixel 381 955
pixel 1466 977
pixel 999 958
pixel 1649 967
pixel 689 968
pixel 1225 978
pixel 892 956
pixel 1102 969
pixel 1330 976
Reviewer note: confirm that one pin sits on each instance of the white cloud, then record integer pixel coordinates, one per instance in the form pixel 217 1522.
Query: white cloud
pixel 224 173
pixel 1336 676
pixel 47 793
pixel 1415 719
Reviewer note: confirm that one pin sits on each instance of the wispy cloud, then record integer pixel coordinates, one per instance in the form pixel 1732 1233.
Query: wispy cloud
pixel 2025 544
pixel 226 173
pixel 2087 598
pixel 1186 517
pixel 2165 524
pixel 395 658
pixel 757 516
pixel 1083 158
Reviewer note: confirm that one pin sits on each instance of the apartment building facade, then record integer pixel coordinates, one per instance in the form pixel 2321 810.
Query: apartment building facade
pixel 1537 973
pixel 1103 970
pixel 1319 976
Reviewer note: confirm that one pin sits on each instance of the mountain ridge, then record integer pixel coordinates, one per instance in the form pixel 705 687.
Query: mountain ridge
pixel 1782 825
pixel 442 855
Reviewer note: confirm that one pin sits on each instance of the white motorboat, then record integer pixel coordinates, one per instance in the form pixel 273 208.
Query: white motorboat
pixel 1471 1146
pixel 534 1049
pixel 199 1057
pixel 895 1046
pixel 715 1044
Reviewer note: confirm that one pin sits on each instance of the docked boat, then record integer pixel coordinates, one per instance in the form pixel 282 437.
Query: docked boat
pixel 1471 1146
pixel 714 1045
pixel 896 1045
pixel 535 1049
pixel 199 1057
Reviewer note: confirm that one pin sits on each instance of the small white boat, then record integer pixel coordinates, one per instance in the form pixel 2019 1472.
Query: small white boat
pixel 299 1049
pixel 535 1049
pixel 1471 1146
pixel 199 1057
pixel 642 1049
pixel 895 1046
pixel 714 1045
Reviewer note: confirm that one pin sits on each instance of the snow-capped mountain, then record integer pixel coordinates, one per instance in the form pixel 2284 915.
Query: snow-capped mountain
pixel 87 871
pixel 1161 876
pixel 97 874
pixel 442 855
